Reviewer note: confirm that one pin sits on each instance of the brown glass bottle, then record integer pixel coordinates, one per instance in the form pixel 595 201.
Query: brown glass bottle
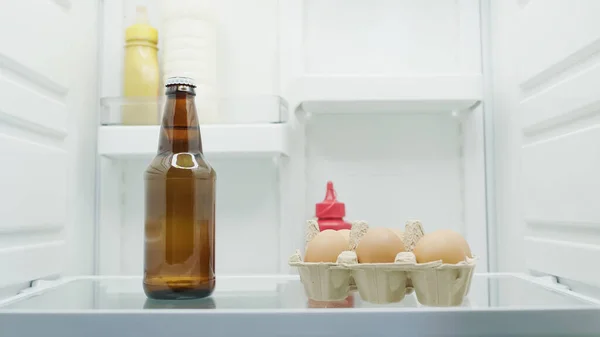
pixel 179 259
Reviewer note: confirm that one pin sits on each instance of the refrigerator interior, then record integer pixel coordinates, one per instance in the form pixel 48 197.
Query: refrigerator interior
pixel 390 160
pixel 456 113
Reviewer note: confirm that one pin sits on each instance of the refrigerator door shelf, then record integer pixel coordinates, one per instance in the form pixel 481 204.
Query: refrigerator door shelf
pixel 498 304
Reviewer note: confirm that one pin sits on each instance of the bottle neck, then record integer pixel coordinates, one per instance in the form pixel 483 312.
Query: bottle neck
pixel 180 130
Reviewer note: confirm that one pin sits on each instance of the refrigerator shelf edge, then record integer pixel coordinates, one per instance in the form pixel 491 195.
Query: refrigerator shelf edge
pixel 532 291
pixel 320 94
pixel 248 109
pixel 275 305
pixel 120 141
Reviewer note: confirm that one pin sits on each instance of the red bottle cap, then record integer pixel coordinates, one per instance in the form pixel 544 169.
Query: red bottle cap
pixel 330 208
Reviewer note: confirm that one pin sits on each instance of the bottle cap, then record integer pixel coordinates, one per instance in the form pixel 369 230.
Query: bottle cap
pixel 330 207
pixel 180 80
pixel 141 29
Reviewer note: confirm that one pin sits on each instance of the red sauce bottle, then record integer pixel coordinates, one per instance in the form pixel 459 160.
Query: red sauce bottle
pixel 330 215
pixel 330 212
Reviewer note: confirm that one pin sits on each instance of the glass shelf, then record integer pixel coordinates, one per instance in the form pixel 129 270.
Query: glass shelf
pixel 127 141
pixel 250 125
pixel 276 306
pixel 357 94
pixel 279 293
pixel 260 109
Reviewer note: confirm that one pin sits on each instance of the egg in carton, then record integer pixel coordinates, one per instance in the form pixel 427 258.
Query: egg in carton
pixel 324 281
pixel 383 283
pixel 435 283
pixel 332 281
pixel 448 283
pixel 443 285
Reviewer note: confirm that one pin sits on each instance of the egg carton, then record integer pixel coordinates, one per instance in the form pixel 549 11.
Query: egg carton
pixel 435 283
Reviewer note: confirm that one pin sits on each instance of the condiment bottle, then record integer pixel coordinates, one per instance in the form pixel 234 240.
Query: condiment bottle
pixel 330 215
pixel 179 258
pixel 189 45
pixel 330 212
pixel 140 72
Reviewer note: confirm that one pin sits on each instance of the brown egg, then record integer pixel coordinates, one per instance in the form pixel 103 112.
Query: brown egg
pixel 398 232
pixel 446 245
pixel 379 245
pixel 325 247
pixel 346 234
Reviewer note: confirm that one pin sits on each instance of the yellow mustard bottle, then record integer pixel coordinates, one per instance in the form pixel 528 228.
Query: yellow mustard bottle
pixel 140 72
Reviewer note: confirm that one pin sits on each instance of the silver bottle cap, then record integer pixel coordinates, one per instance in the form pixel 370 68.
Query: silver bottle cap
pixel 181 81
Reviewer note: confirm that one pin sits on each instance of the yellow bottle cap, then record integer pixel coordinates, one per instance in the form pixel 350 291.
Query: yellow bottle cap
pixel 141 30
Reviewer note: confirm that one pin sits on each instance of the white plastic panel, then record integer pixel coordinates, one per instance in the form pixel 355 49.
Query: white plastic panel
pixel 561 179
pixel 35 178
pixel 33 69
pixel 20 86
pixel 244 140
pixel 247 46
pixel 572 41
pixel 566 101
pixel 32 131
pixel 378 82
pixel 559 105
pixel 388 37
pixel 245 156
pixel 381 50
pixel 247 223
pixel 26 262
pixel 570 260
pixel 371 94
pixel 388 168
pixel 47 80
pixel 24 43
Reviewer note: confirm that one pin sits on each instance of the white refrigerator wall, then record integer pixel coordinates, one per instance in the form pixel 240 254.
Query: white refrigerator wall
pixel 48 84
pixel 545 79
pixel 344 67
pixel 388 166
pixel 248 204
pixel 247 46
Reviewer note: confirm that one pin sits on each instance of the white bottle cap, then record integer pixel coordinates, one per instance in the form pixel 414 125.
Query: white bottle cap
pixel 180 80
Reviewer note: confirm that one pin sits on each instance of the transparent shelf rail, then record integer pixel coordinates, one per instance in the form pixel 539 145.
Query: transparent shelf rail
pixel 252 125
pixel 259 109
pixel 277 306
pixel 385 94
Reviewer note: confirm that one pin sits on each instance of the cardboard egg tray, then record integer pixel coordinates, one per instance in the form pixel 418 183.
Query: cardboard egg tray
pixel 435 283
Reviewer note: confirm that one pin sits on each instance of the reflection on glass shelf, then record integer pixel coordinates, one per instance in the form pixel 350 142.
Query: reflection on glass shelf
pixel 280 293
pixel 230 110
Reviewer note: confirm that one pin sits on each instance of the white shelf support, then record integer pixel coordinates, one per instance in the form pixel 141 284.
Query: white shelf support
pixel 474 184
